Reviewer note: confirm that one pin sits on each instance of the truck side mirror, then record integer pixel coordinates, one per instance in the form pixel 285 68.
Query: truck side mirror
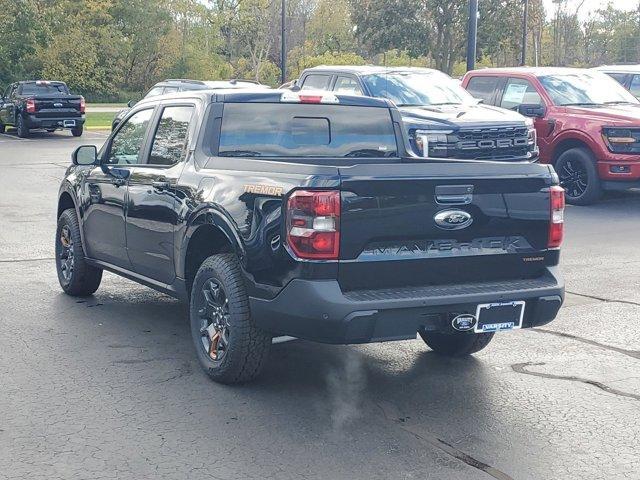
pixel 532 110
pixel 85 155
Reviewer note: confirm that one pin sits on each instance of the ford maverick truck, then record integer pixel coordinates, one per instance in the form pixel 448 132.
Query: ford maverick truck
pixel 276 213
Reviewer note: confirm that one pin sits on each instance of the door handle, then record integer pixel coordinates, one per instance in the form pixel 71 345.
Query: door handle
pixel 454 194
pixel 160 184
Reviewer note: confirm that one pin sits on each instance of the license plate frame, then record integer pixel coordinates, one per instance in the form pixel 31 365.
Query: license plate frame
pixel 507 316
pixel 68 123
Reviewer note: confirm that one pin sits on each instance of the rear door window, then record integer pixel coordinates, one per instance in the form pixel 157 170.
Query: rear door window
pixel 483 88
pixel 316 82
pixel 170 141
pixel 518 92
pixel 299 130
pixel 618 77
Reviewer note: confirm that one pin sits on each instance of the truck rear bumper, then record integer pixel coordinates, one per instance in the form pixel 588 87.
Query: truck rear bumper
pixel 58 122
pixel 318 310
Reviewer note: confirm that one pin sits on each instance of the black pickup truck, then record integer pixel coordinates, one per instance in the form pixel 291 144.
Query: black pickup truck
pixel 303 214
pixel 41 104
pixel 442 119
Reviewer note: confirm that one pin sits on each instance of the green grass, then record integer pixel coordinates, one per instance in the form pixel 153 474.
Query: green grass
pixel 115 105
pixel 99 119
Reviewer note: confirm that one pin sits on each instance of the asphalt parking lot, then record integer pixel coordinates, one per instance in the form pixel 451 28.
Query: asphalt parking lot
pixel 109 387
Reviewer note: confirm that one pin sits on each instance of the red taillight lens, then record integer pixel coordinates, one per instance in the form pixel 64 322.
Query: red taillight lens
pixel 31 105
pixel 556 223
pixel 313 224
pixel 83 105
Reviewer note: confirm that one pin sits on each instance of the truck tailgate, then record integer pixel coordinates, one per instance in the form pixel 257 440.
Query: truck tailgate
pixel 442 223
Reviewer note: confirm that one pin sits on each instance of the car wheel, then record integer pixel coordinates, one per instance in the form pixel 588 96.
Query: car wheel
pixel 76 132
pixel 456 344
pixel 2 128
pixel 229 346
pixel 75 275
pixel 51 130
pixel 21 127
pixel 578 175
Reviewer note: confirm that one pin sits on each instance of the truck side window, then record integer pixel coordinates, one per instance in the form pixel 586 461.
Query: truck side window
pixel 155 91
pixel 348 86
pixel 482 88
pixel 127 143
pixel 634 87
pixel 170 141
pixel 618 77
pixel 517 92
pixel 316 82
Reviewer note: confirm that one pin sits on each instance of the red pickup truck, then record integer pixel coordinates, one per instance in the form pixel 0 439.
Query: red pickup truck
pixel 588 126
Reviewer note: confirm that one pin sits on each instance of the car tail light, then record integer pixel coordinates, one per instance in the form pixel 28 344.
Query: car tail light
pixel 83 105
pixel 556 224
pixel 31 105
pixel 313 224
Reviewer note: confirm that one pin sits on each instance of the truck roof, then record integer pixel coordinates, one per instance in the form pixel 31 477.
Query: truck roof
pixel 534 71
pixel 50 82
pixel 618 68
pixel 261 95
pixel 370 69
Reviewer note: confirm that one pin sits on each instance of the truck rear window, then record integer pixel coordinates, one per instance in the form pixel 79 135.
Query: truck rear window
pixel 309 130
pixel 43 88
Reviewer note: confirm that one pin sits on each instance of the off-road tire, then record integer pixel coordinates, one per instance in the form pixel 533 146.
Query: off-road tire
pixel 580 158
pixel 456 344
pixel 85 279
pixel 248 346
pixel 21 127
pixel 76 132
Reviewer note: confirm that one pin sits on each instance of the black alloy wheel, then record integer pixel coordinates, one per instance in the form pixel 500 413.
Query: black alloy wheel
pixel 213 312
pixel 578 174
pixel 574 178
pixel 65 256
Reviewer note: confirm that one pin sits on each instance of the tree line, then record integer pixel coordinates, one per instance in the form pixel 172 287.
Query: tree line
pixel 113 49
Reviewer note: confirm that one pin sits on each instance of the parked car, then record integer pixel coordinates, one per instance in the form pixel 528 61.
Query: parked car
pixel 588 125
pixel 41 104
pixel 437 112
pixel 173 85
pixel 626 75
pixel 304 214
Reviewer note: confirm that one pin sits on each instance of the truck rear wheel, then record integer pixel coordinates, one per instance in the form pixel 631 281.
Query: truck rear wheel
pixel 21 127
pixel 2 127
pixel 76 277
pixel 229 346
pixel 456 344
pixel 579 177
pixel 76 132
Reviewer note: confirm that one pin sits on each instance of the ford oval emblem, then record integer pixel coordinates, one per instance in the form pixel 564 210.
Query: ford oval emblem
pixel 464 322
pixel 453 219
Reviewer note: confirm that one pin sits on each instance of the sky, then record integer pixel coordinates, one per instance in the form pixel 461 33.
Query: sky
pixel 591 5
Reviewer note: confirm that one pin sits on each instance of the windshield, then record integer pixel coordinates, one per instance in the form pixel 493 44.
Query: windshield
pixel 585 88
pixel 418 88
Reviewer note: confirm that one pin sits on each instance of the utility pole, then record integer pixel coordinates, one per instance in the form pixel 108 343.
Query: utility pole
pixel 472 34
pixel 524 33
pixel 283 46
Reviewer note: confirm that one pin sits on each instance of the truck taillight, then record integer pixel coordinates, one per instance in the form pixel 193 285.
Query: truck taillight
pixel 83 105
pixel 31 105
pixel 556 224
pixel 313 224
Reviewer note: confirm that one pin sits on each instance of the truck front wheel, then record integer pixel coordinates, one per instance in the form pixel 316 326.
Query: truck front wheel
pixel 578 175
pixel 456 344
pixel 229 346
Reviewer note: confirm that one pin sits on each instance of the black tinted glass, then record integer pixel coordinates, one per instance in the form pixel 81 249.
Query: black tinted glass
pixel 43 88
pixel 127 142
pixel 286 130
pixel 482 87
pixel 170 140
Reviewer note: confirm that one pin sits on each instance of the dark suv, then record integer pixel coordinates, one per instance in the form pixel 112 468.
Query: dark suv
pixel 174 85
pixel 303 214
pixel 442 120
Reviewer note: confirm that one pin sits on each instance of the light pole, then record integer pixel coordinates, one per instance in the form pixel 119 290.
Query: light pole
pixel 524 33
pixel 283 46
pixel 472 34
